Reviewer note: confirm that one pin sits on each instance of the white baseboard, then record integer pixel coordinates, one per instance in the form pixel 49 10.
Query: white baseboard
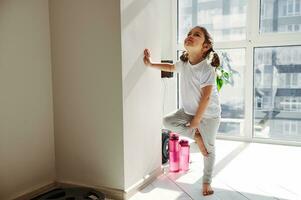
pixel 36 192
pixel 142 183
pixel 118 194
pixel 111 193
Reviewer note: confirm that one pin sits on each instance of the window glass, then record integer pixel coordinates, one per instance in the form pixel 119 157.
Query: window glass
pixel 225 20
pixel 279 114
pixel 232 94
pixel 280 16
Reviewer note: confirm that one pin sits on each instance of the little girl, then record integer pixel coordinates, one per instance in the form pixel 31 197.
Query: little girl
pixel 199 115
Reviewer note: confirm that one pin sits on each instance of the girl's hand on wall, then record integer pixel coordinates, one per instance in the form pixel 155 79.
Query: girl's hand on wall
pixel 146 58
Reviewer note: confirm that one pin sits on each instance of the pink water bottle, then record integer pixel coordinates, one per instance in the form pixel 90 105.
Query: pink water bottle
pixel 174 152
pixel 184 155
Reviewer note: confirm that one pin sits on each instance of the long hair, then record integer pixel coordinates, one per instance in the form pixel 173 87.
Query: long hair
pixel 208 40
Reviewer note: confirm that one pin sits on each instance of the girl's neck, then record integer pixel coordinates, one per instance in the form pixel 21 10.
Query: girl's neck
pixel 195 58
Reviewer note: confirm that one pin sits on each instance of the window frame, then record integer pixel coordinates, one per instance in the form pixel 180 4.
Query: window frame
pixel 254 39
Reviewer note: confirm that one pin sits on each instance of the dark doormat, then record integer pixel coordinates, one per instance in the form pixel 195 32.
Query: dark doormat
pixel 77 193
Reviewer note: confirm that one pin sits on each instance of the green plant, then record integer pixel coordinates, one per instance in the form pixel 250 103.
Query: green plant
pixel 223 77
pixel 225 71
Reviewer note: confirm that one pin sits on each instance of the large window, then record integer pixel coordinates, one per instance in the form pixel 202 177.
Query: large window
pixel 259 41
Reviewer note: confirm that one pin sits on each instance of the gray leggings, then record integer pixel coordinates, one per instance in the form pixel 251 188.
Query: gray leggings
pixel 208 128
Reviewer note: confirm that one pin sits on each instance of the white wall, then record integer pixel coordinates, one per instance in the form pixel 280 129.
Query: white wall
pixel 168 36
pixel 166 29
pixel 26 116
pixel 93 145
pixel 107 105
pixel 87 82
pixel 142 91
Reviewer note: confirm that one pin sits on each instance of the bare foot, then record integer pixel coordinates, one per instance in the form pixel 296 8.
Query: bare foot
pixel 207 190
pixel 199 140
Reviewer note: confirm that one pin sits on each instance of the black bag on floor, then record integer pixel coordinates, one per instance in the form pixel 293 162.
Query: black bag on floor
pixel 71 194
pixel 165 149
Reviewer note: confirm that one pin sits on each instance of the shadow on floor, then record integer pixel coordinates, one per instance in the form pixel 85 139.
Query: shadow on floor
pixel 192 191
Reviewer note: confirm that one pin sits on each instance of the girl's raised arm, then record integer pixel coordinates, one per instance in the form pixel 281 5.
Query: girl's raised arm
pixel 162 66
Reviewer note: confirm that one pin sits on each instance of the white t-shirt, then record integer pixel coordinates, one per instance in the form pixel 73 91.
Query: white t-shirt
pixel 192 79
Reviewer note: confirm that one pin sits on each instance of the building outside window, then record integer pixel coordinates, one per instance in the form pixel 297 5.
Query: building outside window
pixel 288 18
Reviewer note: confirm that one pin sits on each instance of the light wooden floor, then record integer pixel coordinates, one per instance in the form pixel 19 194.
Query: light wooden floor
pixel 242 171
